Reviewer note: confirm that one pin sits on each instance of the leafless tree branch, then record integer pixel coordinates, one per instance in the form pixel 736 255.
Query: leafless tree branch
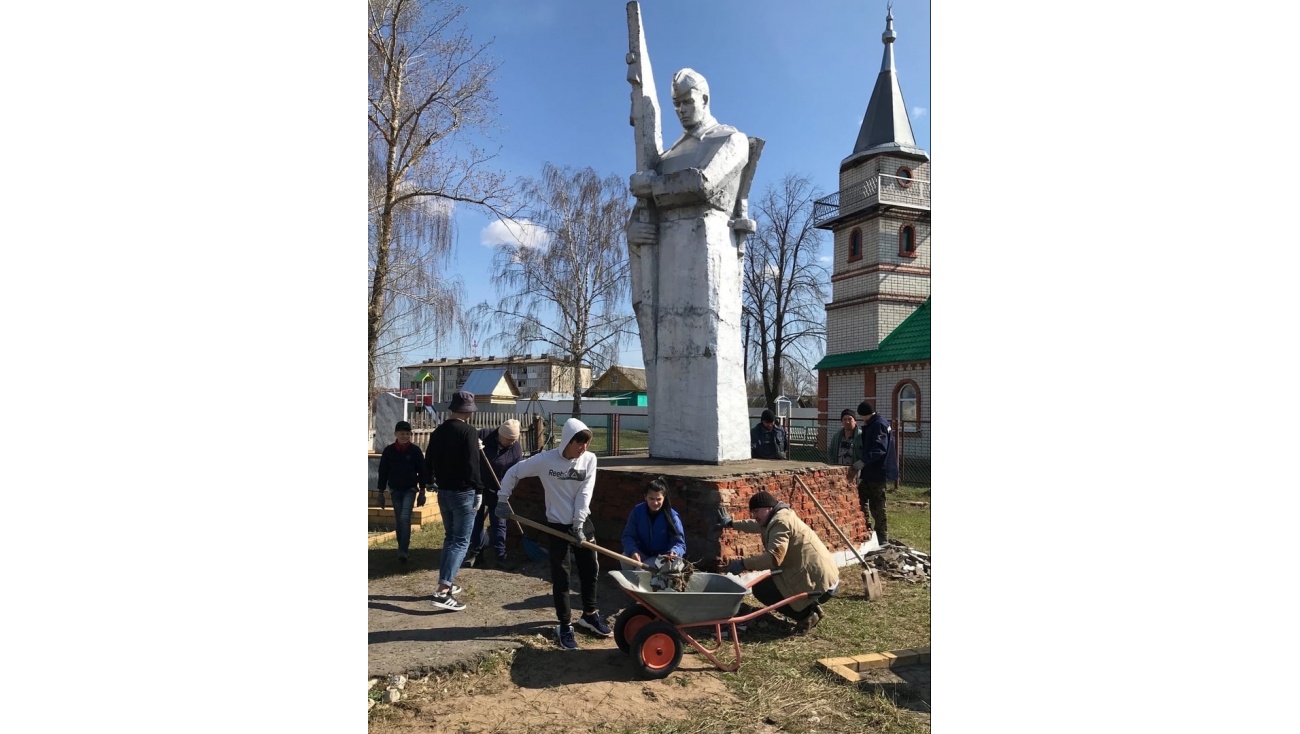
pixel 571 294
pixel 784 289
pixel 429 85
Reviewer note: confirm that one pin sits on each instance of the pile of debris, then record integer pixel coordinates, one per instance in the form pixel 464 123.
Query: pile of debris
pixel 673 574
pixel 897 561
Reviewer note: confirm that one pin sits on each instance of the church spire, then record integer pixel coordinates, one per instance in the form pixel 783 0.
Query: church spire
pixel 886 127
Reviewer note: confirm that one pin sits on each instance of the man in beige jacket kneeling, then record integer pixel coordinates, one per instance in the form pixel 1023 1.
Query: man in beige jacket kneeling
pixel 791 547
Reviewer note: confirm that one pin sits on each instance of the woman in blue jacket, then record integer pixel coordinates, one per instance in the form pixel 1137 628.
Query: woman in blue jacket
pixel 653 528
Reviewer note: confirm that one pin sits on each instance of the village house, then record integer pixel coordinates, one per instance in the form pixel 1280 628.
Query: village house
pixel 433 381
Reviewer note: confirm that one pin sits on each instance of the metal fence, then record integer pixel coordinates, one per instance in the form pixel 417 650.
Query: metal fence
pixel 809 442
pixel 612 434
pixel 617 434
pixel 533 431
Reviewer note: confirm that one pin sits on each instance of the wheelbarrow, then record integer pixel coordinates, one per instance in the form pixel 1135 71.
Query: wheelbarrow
pixel 653 629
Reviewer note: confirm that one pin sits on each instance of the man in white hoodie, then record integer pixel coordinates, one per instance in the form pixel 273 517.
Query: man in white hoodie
pixel 568 476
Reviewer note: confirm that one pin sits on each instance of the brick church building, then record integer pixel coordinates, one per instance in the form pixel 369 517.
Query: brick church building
pixel 878 320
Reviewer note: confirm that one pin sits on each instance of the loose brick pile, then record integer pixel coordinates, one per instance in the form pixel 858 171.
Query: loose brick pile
pixel 897 561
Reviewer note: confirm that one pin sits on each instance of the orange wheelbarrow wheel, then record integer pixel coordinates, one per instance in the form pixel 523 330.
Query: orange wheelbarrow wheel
pixel 657 649
pixel 629 622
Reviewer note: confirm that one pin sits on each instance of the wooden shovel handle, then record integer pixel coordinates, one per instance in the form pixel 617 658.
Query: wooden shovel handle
pixel 832 522
pixel 493 472
pixel 584 544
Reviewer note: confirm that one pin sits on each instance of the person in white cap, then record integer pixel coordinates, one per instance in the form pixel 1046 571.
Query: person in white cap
pixel 501 450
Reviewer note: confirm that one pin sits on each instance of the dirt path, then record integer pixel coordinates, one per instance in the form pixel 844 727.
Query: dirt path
pixel 409 636
pixel 541 688
pixel 495 666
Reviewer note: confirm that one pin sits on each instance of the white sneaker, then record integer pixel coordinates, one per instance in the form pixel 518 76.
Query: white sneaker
pixel 448 602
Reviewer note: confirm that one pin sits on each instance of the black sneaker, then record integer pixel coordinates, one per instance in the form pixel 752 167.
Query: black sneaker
pixel 593 623
pixel 469 561
pixel 401 558
pixel 564 634
pixel 447 602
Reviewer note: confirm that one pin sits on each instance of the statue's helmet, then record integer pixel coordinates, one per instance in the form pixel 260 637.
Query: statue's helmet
pixel 686 80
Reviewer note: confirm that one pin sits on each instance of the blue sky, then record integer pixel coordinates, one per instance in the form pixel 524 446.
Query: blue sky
pixel 797 75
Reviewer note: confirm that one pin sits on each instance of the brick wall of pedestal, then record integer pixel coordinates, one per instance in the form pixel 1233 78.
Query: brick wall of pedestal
pixel 696 501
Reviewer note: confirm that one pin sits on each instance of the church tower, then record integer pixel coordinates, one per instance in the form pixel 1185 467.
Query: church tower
pixel 880 218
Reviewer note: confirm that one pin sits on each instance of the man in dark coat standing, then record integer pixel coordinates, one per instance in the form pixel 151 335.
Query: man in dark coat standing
pixel 879 466
pixel 452 462
pixel 767 440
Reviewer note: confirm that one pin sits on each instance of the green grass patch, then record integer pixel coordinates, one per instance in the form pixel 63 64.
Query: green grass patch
pixel 629 442
pixel 425 552
pixel 779 679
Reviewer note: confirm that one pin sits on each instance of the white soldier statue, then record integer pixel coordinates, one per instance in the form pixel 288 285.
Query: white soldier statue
pixel 686 242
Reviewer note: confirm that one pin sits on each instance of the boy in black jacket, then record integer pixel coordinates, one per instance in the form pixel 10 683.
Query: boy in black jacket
pixel 880 466
pixel 401 470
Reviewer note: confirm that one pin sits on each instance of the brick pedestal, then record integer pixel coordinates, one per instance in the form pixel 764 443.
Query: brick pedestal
pixel 697 490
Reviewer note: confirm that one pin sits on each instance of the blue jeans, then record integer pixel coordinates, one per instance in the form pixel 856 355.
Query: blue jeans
pixel 496 529
pixel 457 510
pixel 403 504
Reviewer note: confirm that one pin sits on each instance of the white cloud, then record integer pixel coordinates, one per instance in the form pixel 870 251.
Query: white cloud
pixel 918 112
pixel 437 205
pixel 772 270
pixel 825 258
pixel 434 205
pixel 513 232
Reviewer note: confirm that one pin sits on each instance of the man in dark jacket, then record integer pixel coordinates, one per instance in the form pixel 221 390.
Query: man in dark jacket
pixel 453 463
pixel 501 450
pixel 401 471
pixel 768 440
pixel 879 466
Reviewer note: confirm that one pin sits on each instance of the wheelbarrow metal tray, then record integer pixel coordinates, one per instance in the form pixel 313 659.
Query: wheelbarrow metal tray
pixel 708 596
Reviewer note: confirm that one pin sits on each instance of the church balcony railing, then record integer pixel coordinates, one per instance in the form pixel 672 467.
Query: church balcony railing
pixel 879 190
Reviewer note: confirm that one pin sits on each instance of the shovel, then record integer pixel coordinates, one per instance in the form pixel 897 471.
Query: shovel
pixel 870 578
pixel 534 551
pixel 585 544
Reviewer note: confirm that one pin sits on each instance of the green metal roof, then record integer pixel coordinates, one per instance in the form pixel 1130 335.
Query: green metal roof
pixel 910 342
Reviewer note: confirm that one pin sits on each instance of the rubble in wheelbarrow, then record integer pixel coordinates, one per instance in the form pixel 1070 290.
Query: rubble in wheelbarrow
pixel 897 561
pixel 673 574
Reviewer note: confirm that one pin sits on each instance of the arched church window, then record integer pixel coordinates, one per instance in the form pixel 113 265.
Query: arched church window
pixel 907 241
pixel 908 404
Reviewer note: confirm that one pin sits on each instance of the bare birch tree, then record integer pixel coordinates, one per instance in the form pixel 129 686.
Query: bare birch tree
pixel 784 289
pixel 429 88
pixel 571 293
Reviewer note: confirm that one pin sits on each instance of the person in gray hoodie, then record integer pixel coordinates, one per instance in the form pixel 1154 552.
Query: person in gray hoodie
pixel 568 476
